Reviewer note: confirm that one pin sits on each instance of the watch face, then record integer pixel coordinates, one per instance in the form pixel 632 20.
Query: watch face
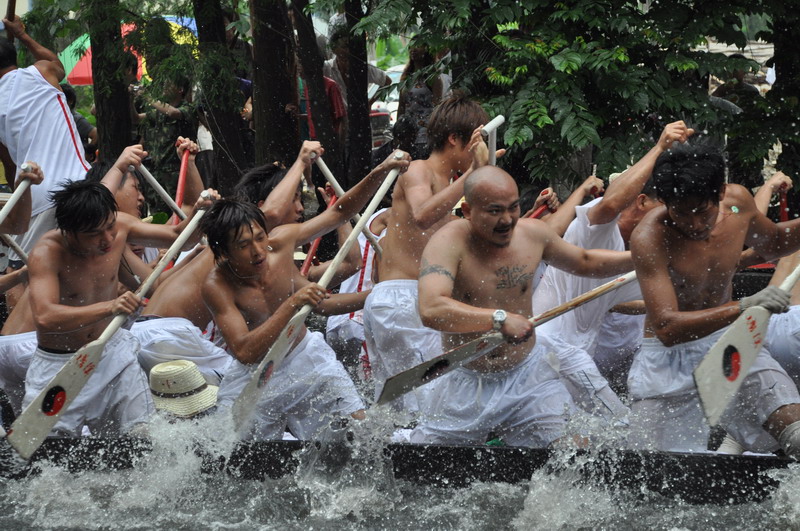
pixel 498 318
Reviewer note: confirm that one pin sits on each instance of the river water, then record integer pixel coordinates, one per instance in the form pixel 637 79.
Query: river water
pixel 166 490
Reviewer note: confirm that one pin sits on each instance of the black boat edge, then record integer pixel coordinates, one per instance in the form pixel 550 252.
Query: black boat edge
pixel 693 478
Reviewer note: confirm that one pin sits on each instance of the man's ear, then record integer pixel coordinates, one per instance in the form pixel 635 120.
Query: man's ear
pixel 260 204
pixel 722 192
pixel 452 139
pixel 466 210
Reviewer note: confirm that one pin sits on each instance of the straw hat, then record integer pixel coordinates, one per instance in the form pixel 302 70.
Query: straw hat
pixel 179 388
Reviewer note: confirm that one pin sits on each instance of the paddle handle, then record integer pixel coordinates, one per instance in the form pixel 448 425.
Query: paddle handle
pixel 161 192
pixel 312 251
pixel 492 126
pixel 326 172
pixel 15 197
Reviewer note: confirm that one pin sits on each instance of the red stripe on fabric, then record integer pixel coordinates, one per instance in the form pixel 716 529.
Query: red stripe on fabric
pixel 363 270
pixel 72 133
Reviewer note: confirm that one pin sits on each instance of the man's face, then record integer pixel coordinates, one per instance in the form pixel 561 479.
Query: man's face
pixel 129 198
pixel 98 241
pixel 494 214
pixel 694 218
pixel 247 250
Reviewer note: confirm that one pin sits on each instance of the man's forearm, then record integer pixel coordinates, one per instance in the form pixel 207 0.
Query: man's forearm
pixel 39 52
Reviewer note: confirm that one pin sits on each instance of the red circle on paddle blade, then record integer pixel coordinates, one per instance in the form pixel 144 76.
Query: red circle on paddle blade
pixel 265 374
pixel 731 363
pixel 54 401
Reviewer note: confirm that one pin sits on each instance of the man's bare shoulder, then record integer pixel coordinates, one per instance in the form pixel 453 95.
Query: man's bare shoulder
pixel 216 285
pixel 418 172
pixel 651 228
pixel 283 235
pixel 738 196
pixel 49 248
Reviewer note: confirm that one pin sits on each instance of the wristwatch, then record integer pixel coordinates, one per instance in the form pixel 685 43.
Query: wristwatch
pixel 498 318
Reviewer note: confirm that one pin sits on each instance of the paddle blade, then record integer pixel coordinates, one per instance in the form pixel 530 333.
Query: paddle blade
pixel 408 380
pixel 37 420
pixel 245 403
pixel 722 370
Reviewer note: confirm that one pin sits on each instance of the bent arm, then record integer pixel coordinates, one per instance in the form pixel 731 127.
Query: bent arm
pixel 594 263
pixel 349 266
pixel 670 325
pixel 341 303
pixel 49 314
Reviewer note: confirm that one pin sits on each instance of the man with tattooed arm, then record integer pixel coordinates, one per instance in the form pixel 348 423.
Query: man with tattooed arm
pixel 476 277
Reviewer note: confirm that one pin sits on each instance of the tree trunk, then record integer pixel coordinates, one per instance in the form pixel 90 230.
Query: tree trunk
pixel 312 61
pixel 787 86
pixel 112 101
pixel 221 98
pixel 359 132
pixel 274 84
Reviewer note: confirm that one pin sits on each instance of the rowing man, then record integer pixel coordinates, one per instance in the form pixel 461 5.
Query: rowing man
pixel 476 278
pixel 686 253
pixel 73 274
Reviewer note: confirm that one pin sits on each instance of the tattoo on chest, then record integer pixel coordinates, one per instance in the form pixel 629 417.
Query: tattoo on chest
pixel 431 269
pixel 511 277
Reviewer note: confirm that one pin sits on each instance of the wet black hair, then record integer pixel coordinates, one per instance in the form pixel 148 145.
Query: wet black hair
pixel 695 171
pixel 456 115
pixel 8 54
pixel 258 183
pixel 99 170
pixel 227 216
pixel 69 92
pixel 82 206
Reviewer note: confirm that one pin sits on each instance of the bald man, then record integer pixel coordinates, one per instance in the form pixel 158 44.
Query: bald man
pixel 476 278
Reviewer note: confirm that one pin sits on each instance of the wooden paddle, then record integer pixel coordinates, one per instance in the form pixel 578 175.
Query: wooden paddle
pixel 410 379
pixel 489 132
pixel 312 251
pixel 784 205
pixel 179 192
pixel 722 370
pixel 160 190
pixel 326 172
pixel 14 246
pixel 246 402
pixel 38 419
pixel 17 195
pixel 10 14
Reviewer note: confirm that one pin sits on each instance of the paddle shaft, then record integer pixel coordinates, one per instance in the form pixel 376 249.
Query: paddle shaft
pixel 179 192
pixel 14 246
pixel 38 419
pixel 326 172
pixel 784 206
pixel 14 199
pixel 10 13
pixel 245 403
pixel 312 251
pixel 463 354
pixel 161 192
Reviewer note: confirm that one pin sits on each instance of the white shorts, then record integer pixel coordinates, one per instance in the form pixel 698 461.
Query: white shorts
pixel 309 390
pixel 175 338
pixel 396 338
pixel 666 410
pixel 16 352
pixel 525 406
pixel 783 341
pixel 115 399
pixel 39 224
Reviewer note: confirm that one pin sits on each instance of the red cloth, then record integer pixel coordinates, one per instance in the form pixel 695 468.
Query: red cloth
pixel 335 101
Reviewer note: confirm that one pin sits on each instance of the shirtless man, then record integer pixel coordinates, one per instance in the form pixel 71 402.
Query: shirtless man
pixel 73 289
pixel 476 277
pixel 253 291
pixel 421 204
pixel 607 223
pixel 685 254
pixel 178 325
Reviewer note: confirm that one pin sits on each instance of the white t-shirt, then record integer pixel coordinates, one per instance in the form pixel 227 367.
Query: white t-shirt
pixel 37 125
pixel 331 70
pixel 580 326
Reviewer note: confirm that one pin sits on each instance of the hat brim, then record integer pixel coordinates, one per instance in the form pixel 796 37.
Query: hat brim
pixel 188 406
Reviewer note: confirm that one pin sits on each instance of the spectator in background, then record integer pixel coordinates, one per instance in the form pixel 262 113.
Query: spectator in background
pixel 160 125
pixel 338 68
pixel 419 100
pixel 86 130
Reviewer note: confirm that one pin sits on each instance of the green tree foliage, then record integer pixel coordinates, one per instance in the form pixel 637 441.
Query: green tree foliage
pixel 588 75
